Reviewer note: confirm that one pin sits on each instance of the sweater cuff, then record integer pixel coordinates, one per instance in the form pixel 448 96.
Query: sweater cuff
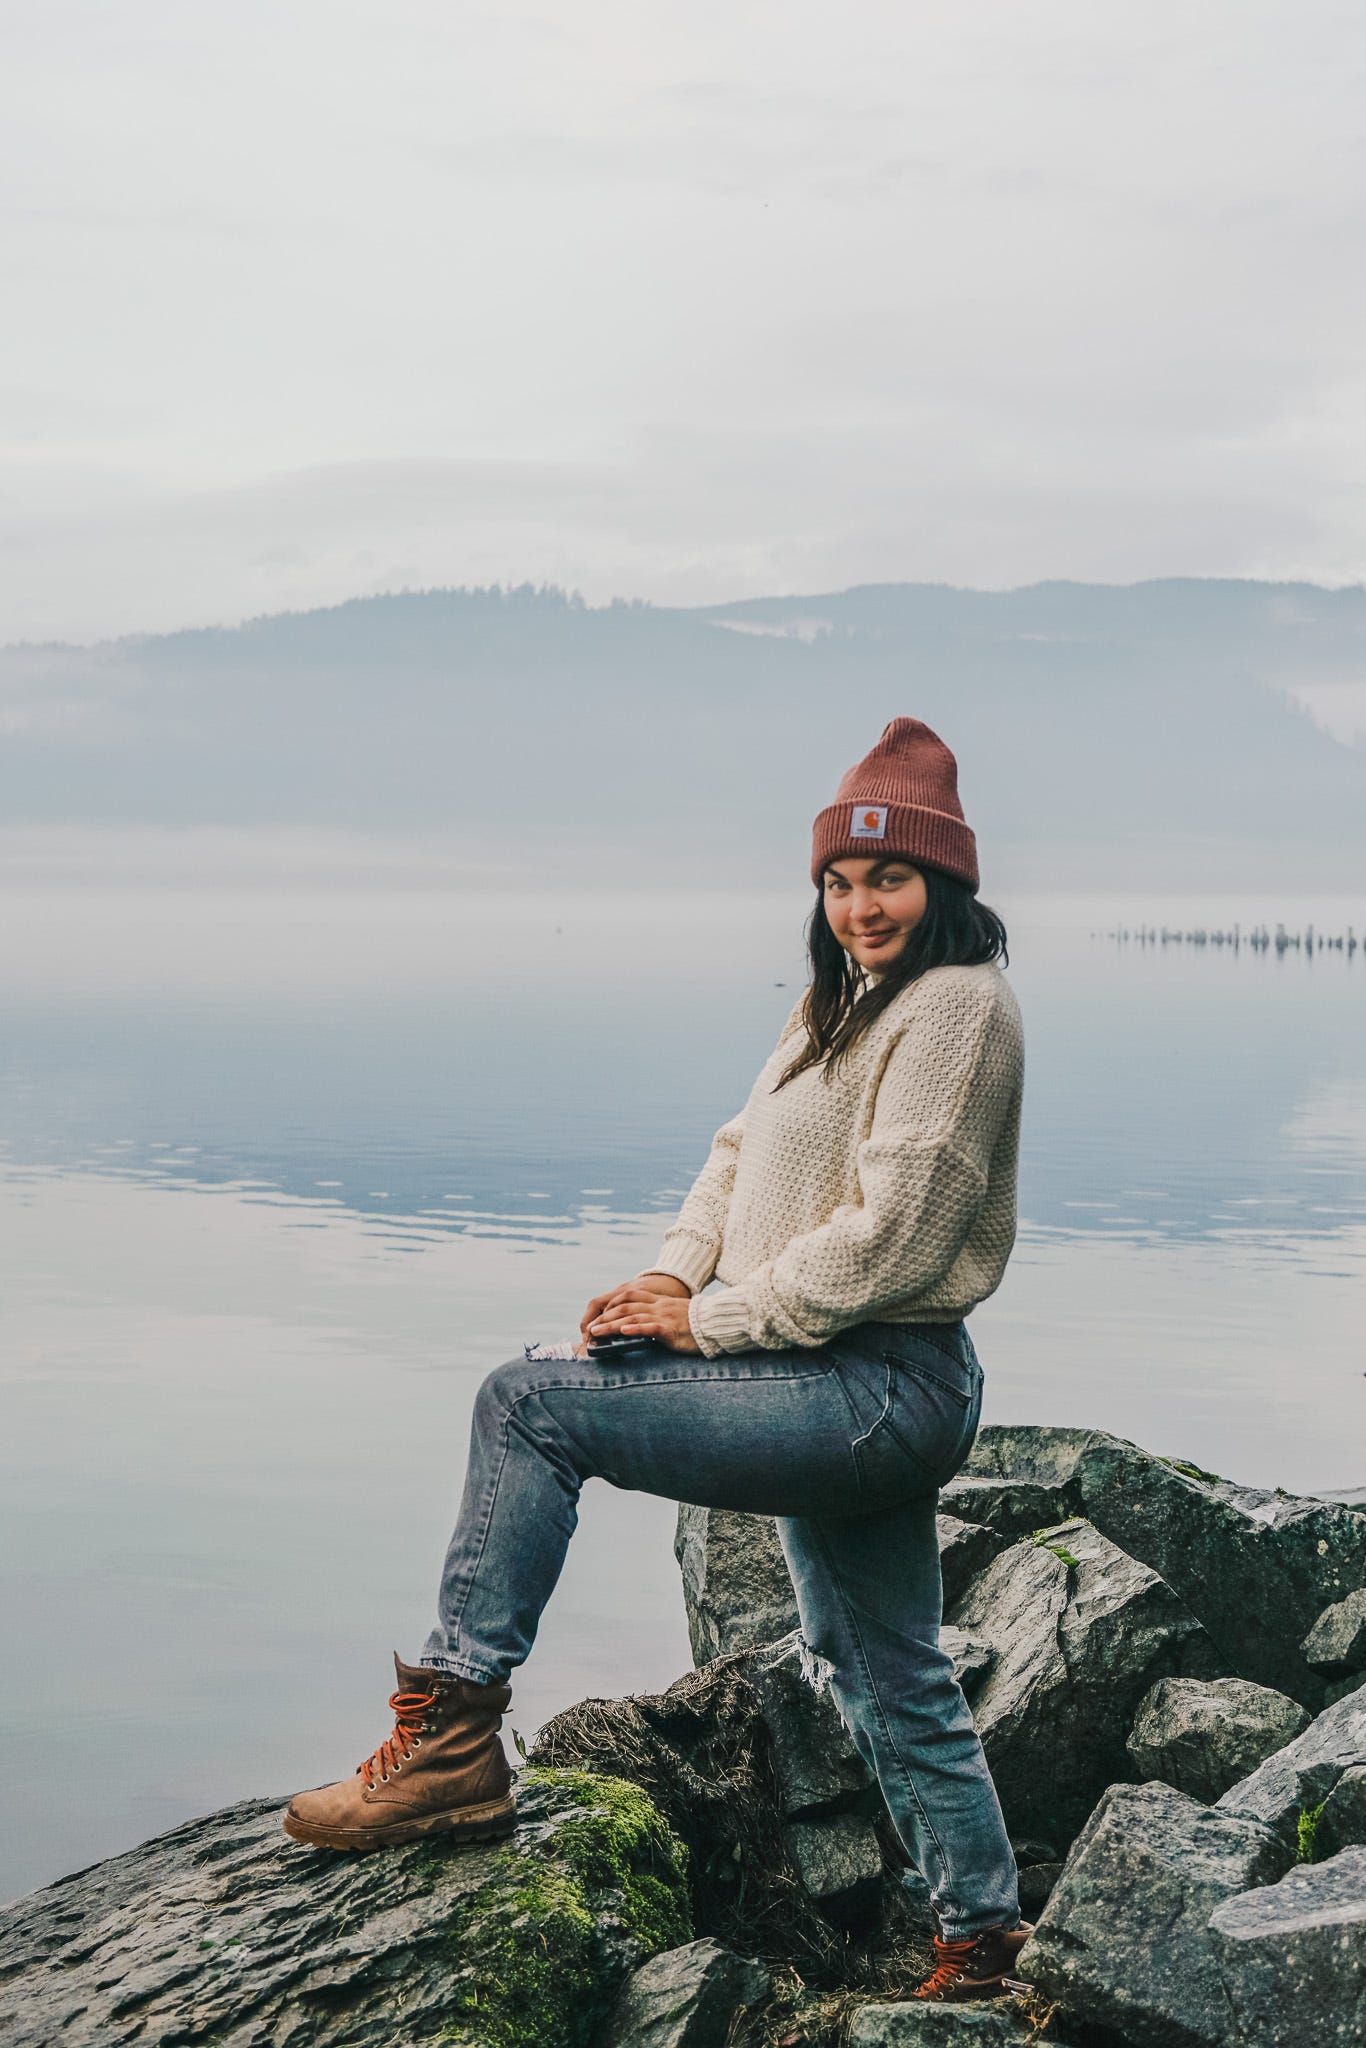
pixel 720 1322
pixel 686 1258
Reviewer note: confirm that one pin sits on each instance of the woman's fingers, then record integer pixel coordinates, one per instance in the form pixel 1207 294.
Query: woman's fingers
pixel 597 1305
pixel 619 1302
pixel 633 1310
pixel 656 1287
pixel 628 1290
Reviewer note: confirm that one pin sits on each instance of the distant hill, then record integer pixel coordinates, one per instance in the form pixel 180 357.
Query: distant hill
pixel 1137 735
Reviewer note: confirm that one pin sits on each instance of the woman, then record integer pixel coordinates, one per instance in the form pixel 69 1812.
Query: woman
pixel 858 1207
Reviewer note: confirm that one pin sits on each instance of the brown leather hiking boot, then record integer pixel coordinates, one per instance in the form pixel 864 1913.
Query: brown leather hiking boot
pixel 441 1772
pixel 976 1968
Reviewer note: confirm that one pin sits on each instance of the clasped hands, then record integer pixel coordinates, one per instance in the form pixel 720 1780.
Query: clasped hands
pixel 652 1305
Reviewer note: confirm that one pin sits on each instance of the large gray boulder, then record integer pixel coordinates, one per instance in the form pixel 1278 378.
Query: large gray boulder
pixel 1336 1644
pixel 1081 1632
pixel 994 2023
pixel 1256 1566
pixel 1204 1734
pixel 1292 1957
pixel 1149 1865
pixel 226 1932
pixel 736 1587
pixel 1012 1507
pixel 1300 1777
pixel 1341 1821
pixel 684 1998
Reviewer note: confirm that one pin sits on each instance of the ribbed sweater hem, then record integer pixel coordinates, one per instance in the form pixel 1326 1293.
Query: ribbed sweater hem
pixel 685 1257
pixel 720 1322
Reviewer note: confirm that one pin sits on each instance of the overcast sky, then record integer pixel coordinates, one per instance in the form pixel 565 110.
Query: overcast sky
pixel 685 301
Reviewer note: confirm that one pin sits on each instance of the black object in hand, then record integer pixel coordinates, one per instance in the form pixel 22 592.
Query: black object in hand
pixel 617 1343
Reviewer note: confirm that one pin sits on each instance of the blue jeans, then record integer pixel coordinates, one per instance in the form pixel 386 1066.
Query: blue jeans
pixel 847 1444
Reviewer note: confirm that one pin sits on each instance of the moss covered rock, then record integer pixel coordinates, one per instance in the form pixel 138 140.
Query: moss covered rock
pixel 225 1932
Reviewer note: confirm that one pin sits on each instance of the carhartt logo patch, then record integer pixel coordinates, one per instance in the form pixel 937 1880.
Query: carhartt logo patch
pixel 869 821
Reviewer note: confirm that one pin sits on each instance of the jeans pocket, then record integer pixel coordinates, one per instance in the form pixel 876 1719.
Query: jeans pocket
pixel 912 1433
pixel 922 1432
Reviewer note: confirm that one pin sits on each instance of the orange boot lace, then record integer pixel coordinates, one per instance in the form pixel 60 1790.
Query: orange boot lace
pixel 408 1709
pixel 952 1955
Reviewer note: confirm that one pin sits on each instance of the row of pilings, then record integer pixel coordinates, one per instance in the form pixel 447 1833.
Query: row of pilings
pixel 1259 938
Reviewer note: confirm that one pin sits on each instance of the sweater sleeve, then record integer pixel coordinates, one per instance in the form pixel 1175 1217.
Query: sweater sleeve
pixel 944 1092
pixel 692 1244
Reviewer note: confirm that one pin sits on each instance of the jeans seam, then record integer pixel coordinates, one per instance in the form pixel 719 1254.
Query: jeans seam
pixel 856 1634
pixel 485 1525
pixel 859 1441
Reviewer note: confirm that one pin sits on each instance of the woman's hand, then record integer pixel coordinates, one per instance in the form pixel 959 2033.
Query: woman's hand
pixel 640 1312
pixel 662 1286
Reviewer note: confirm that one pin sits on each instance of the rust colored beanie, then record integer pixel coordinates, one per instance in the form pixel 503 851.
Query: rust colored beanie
pixel 900 798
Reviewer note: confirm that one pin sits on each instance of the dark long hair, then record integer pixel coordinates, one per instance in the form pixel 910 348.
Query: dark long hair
pixel 956 931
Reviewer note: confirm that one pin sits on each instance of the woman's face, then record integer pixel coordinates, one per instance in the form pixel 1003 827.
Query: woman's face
pixel 873 906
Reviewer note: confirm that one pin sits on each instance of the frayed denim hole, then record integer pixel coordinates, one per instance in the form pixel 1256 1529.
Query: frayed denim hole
pixel 816 1670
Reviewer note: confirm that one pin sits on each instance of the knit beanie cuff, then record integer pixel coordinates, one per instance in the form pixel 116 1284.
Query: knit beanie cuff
pixel 877 830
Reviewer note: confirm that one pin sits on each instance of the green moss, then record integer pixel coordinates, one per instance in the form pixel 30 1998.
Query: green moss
pixel 654 1913
pixel 526 1956
pixel 1307 1831
pixel 528 1947
pixel 619 1831
pixel 1190 1471
pixel 1039 1540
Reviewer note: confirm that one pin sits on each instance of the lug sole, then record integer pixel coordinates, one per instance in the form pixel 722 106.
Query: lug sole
pixel 966 1993
pixel 491 1822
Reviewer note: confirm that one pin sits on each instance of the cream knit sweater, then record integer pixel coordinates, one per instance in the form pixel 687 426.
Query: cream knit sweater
pixel 886 1194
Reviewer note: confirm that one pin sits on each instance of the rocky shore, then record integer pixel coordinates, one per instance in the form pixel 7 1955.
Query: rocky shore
pixel 1168 1672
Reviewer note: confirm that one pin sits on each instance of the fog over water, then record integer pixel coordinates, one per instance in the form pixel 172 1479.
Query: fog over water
pixel 285 1171
pixel 684 303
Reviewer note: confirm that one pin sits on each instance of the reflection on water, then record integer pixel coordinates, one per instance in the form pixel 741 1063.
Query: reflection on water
pixel 282 1180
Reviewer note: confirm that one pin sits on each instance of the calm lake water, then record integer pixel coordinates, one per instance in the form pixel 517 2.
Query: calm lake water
pixel 283 1175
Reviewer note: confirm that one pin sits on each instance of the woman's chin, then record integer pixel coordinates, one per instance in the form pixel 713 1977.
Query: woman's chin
pixel 878 956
